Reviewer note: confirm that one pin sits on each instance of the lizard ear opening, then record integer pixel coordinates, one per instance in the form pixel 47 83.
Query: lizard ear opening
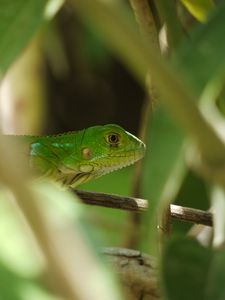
pixel 87 153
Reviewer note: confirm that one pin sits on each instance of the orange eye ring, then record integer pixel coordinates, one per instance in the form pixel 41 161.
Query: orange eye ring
pixel 113 139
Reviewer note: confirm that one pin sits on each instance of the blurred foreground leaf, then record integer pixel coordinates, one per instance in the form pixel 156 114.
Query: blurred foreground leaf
pixel 193 193
pixel 164 155
pixel 185 269
pixel 166 141
pixel 201 59
pixel 104 219
pixel 14 231
pixel 16 287
pixel 214 287
pixel 19 21
pixel 200 9
pixel 191 271
pixel 21 264
pixel 218 206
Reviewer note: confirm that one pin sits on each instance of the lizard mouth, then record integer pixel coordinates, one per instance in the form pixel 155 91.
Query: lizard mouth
pixel 119 161
pixel 112 163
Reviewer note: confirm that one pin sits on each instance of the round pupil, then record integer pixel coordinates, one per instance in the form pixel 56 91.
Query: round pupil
pixel 113 138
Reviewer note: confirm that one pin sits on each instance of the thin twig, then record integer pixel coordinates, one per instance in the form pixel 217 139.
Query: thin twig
pixel 146 23
pixel 133 234
pixel 145 20
pixel 141 205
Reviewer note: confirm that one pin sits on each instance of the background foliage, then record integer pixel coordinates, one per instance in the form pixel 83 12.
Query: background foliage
pixel 67 65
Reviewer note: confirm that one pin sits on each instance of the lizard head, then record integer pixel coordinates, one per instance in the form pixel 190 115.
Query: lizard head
pixel 104 149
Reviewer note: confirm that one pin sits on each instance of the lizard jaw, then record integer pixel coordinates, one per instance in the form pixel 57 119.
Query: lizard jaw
pixel 117 162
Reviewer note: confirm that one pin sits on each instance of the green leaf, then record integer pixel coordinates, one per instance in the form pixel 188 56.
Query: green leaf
pixel 185 269
pixel 19 21
pixel 199 8
pixel 218 208
pixel 201 58
pixel 168 15
pixel 215 288
pixel 164 154
pixel 102 218
pixel 166 140
pixel 15 287
pixel 193 193
pixel 191 271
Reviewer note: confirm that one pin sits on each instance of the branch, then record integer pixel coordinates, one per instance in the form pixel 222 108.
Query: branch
pixel 140 205
pixel 145 20
pixel 138 272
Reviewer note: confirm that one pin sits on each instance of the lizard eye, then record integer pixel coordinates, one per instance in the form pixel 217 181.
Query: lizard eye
pixel 113 139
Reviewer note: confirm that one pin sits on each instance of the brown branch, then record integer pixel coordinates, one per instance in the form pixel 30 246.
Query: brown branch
pixel 138 272
pixel 140 205
pixel 145 20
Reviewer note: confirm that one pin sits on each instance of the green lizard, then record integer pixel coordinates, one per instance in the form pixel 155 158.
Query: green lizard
pixel 76 157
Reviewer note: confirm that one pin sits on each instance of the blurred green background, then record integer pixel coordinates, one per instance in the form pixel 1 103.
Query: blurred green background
pixel 69 65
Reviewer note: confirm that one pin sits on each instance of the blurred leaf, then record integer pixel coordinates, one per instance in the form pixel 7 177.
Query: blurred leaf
pixel 164 155
pixel 23 87
pixel 185 269
pixel 166 141
pixel 220 101
pixel 21 261
pixel 190 271
pixel 193 193
pixel 15 287
pixel 201 59
pixel 96 54
pixel 52 7
pixel 66 228
pixel 19 20
pixel 199 8
pixel 215 288
pixel 168 14
pixel 16 283
pixel 218 205
pixel 124 43
pixel 108 224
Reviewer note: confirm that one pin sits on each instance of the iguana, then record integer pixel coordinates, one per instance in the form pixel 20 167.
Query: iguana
pixel 79 156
